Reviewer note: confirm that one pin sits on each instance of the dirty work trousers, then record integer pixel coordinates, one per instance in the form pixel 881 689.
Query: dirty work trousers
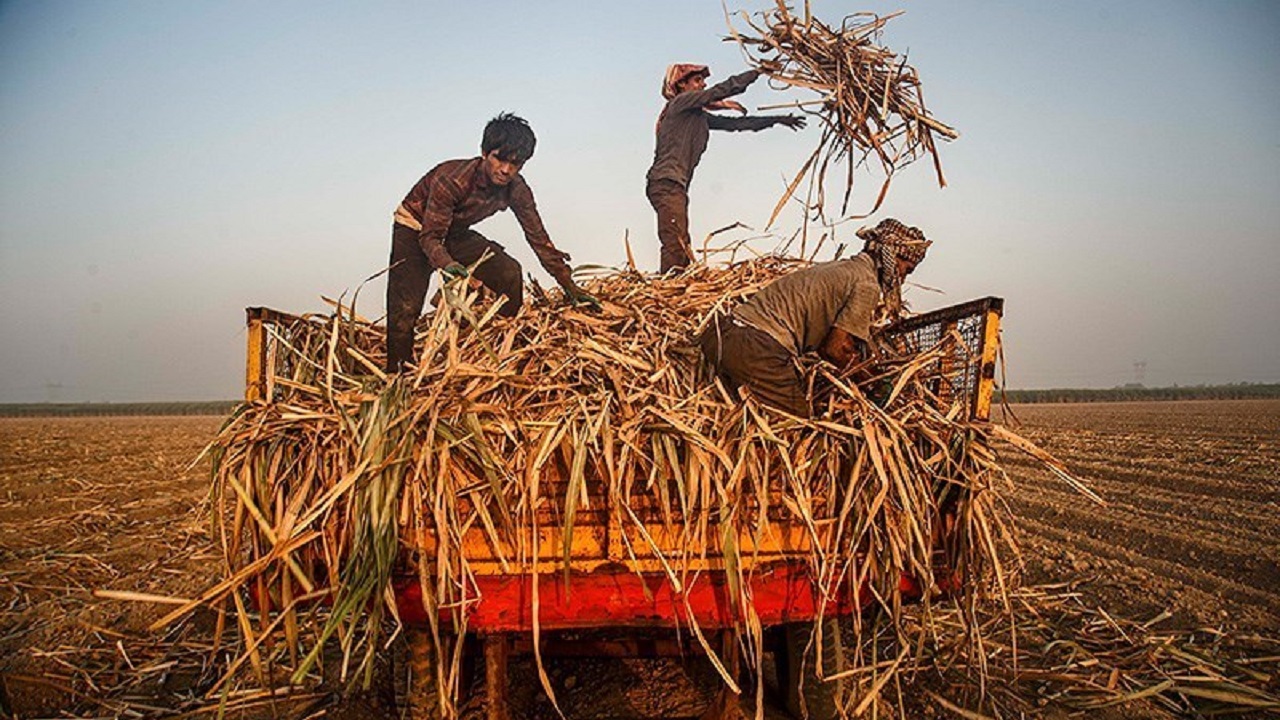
pixel 410 274
pixel 671 202
pixel 744 355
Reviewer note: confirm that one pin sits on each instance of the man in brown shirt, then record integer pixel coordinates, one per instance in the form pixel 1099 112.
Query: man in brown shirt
pixel 683 130
pixel 432 231
pixel 827 307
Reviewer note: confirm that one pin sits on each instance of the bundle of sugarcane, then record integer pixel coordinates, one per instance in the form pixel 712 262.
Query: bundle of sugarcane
pixel 510 425
pixel 871 104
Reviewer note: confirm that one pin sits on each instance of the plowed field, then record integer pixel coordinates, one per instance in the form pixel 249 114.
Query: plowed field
pixel 1192 527
pixel 1192 523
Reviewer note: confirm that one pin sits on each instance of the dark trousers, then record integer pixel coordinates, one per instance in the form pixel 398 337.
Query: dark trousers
pixel 410 274
pixel 671 203
pixel 747 356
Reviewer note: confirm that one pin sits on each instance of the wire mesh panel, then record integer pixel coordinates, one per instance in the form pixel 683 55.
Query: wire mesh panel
pixel 269 333
pixel 968 334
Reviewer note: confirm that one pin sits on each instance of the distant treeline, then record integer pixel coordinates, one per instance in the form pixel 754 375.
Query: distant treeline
pixel 207 407
pixel 1237 391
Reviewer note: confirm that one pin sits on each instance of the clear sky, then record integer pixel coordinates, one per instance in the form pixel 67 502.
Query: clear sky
pixel 165 164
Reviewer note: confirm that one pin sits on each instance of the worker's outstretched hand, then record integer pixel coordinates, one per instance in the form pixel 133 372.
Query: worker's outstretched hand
pixel 795 122
pixel 578 296
pixel 454 270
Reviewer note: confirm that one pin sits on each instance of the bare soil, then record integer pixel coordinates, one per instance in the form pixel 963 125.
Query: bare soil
pixel 1192 522
pixel 1192 527
pixel 89 503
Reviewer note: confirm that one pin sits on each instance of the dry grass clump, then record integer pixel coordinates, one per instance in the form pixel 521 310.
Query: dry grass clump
pixel 1051 647
pixel 871 100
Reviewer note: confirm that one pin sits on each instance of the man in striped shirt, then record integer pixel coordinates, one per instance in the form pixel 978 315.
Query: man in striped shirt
pixel 432 231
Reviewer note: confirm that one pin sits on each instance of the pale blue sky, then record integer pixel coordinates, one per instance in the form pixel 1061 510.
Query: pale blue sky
pixel 165 164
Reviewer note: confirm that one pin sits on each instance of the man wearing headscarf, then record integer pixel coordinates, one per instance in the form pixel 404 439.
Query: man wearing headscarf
pixel 826 308
pixel 683 129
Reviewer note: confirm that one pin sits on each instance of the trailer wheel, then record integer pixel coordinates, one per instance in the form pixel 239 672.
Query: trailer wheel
pixel 806 695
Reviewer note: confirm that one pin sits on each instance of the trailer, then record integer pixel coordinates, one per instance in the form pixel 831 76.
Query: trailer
pixel 615 576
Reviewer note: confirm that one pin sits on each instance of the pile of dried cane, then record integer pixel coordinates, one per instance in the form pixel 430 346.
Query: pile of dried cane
pixel 512 424
pixel 1050 648
pixel 871 104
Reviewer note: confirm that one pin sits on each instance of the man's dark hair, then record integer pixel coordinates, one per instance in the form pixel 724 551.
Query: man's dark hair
pixel 510 136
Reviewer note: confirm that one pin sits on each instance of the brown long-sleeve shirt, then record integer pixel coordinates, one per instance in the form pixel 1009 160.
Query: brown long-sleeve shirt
pixel 457 194
pixel 684 127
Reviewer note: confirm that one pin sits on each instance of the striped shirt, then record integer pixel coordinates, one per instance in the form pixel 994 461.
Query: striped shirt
pixel 457 194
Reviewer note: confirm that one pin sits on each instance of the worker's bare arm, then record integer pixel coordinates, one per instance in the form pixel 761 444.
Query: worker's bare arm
pixel 842 349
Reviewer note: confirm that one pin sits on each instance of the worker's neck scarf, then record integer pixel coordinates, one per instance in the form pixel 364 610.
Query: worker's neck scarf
pixel 886 243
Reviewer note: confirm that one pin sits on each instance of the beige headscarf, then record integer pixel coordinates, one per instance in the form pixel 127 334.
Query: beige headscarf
pixel 677 73
pixel 887 242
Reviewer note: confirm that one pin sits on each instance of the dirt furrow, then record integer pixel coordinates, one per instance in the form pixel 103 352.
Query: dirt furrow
pixel 1258 491
pixel 1166 539
pixel 1178 529
pixel 1228 466
pixel 1249 521
pixel 1151 583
